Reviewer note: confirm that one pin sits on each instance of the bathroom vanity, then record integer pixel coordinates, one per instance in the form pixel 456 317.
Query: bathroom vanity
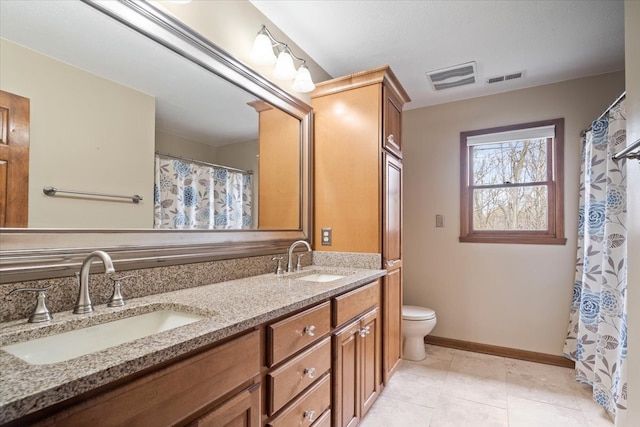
pixel 268 350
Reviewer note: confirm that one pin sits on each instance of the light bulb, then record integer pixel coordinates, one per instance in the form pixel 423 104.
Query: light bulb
pixel 303 81
pixel 262 52
pixel 284 67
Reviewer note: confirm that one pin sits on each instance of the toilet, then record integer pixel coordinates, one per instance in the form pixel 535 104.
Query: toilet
pixel 417 322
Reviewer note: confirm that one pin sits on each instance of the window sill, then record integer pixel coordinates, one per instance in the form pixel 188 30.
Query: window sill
pixel 527 240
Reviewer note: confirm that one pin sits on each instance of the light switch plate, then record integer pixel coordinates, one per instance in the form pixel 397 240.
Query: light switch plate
pixel 439 221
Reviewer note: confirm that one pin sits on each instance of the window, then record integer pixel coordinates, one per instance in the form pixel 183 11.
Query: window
pixel 511 184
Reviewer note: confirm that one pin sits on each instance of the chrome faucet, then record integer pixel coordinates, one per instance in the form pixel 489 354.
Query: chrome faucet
pixel 83 304
pixel 290 253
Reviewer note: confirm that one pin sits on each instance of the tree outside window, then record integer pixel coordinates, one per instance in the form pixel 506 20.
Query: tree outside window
pixel 512 184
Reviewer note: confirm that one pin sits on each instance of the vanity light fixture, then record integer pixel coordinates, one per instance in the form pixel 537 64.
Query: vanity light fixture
pixel 263 54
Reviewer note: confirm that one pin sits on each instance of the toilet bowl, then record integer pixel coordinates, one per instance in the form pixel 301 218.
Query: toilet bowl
pixel 417 322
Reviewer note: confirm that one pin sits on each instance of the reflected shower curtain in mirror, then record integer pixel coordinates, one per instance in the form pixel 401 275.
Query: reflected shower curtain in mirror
pixel 189 196
pixel 597 336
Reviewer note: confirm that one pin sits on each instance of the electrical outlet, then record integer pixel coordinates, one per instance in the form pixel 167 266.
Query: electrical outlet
pixel 326 236
pixel 439 221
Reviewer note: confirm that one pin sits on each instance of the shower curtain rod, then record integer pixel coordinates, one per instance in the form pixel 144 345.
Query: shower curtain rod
pixel 616 102
pixel 249 172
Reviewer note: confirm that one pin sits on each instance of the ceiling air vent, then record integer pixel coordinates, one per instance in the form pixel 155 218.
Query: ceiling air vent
pixel 459 75
pixel 505 77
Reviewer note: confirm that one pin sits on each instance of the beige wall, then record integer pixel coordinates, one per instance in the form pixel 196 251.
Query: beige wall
pixel 632 65
pixel 233 25
pixel 508 295
pixel 77 115
pixel 168 143
pixel 241 155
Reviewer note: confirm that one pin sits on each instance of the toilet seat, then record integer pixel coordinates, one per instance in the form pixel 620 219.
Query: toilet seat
pixel 412 312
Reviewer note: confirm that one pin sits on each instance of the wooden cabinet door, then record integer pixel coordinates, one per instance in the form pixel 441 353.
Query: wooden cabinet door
pixel 392 112
pixel 392 259
pixel 242 410
pixel 392 323
pixel 392 212
pixel 279 169
pixel 370 363
pixel 346 374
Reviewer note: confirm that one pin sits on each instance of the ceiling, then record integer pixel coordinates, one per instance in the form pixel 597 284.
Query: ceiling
pixel 550 41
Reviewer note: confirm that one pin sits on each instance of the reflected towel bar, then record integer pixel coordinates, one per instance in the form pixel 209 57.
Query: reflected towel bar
pixel 51 191
pixel 627 152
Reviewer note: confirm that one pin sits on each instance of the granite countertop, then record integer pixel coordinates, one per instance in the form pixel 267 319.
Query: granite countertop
pixel 228 307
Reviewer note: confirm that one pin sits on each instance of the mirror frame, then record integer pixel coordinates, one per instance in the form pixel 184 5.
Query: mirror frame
pixel 32 254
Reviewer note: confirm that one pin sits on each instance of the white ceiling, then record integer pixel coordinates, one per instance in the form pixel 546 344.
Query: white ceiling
pixel 550 41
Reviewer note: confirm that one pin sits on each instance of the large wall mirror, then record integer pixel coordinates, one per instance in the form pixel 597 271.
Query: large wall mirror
pixel 124 100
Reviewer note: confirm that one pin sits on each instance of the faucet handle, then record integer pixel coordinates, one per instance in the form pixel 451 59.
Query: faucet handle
pixel 41 312
pixel 116 299
pixel 299 265
pixel 279 270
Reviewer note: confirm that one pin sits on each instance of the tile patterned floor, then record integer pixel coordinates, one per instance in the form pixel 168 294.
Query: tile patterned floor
pixel 455 388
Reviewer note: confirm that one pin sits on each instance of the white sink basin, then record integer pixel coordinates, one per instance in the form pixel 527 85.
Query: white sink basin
pixel 68 345
pixel 320 277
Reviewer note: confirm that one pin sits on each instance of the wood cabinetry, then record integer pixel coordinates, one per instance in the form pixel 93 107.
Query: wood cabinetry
pixel 215 382
pixel 392 259
pixel 299 381
pixel 356 365
pixel 243 410
pixel 279 168
pixel 358 182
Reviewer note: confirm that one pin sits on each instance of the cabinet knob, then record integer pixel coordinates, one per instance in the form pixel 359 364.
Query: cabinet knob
pixel 310 330
pixel 391 139
pixel 365 331
pixel 310 372
pixel 309 415
pixel 390 263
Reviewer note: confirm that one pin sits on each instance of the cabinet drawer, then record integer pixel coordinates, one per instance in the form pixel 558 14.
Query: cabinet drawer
pixel 170 395
pixel 296 375
pixel 296 332
pixel 306 409
pixel 356 302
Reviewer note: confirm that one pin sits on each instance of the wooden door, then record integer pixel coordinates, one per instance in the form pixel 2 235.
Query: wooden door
pixel 346 375
pixel 242 410
pixel 370 368
pixel 392 259
pixel 14 160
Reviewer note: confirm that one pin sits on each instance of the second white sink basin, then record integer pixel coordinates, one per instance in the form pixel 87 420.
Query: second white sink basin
pixel 68 345
pixel 321 277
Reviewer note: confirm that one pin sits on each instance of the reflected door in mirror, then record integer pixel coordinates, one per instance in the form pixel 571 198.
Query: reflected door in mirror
pixel 14 160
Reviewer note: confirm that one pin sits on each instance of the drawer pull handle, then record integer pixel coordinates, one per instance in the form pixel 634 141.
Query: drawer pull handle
pixel 310 330
pixel 365 331
pixel 310 372
pixel 309 415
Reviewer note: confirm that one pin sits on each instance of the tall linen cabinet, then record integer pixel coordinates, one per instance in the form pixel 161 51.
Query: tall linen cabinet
pixel 358 182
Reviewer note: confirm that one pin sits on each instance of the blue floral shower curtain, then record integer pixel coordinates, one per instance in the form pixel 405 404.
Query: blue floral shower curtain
pixel 192 196
pixel 597 337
